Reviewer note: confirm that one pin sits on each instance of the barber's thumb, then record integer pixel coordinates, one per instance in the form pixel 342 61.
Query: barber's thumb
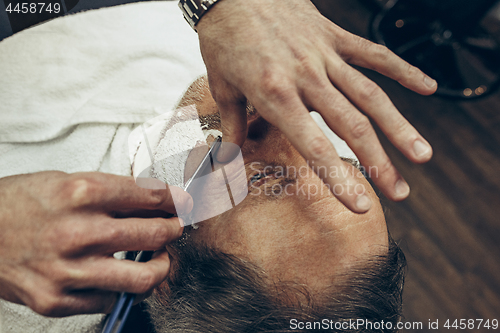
pixel 234 129
pixel 182 200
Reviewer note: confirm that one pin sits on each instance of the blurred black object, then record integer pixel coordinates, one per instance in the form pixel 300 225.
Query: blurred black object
pixel 138 320
pixel 445 40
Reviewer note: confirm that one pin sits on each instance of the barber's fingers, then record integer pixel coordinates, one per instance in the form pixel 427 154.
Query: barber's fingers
pixel 234 128
pixel 306 136
pixel 115 193
pixel 92 285
pixel 371 99
pixel 355 128
pixel 232 106
pixel 76 302
pixel 88 301
pixel 361 52
pixel 131 234
pixel 123 275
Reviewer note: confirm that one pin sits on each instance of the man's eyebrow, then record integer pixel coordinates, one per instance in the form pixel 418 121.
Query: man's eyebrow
pixel 212 121
pixel 355 163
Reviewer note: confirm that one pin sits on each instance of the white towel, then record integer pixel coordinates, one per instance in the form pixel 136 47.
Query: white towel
pixel 21 319
pixel 65 88
pixel 122 64
pixel 340 145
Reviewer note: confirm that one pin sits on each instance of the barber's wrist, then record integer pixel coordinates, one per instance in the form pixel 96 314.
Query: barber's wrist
pixel 195 10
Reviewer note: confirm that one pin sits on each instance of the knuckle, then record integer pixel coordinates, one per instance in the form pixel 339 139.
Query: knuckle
pixel 369 90
pixel 406 71
pixel 381 51
pixel 228 99
pixel 346 44
pixel 158 198
pixel 47 304
pixel 400 126
pixel 82 191
pixel 411 70
pixel 386 167
pixel 219 95
pixel 275 86
pixel 280 93
pixel 359 126
pixel 317 80
pixel 300 54
pixel 311 71
pixel 61 276
pixel 232 130
pixel 145 281
pixel 364 45
pixel 114 232
pixel 160 235
pixel 306 67
pixel 319 148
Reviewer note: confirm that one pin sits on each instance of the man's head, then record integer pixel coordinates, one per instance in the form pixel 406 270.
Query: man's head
pixel 289 250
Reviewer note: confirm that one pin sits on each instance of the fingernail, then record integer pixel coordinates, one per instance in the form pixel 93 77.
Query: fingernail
pixel 402 189
pixel 187 206
pixel 431 83
pixel 363 203
pixel 421 149
pixel 181 222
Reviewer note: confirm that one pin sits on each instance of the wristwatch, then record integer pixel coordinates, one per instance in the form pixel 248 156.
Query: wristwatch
pixel 194 9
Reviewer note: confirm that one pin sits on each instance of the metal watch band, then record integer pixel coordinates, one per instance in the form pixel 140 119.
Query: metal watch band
pixel 194 9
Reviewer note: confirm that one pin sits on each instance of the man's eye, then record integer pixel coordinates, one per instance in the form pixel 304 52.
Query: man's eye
pixel 256 177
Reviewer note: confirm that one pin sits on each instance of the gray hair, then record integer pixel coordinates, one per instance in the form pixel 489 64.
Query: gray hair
pixel 211 291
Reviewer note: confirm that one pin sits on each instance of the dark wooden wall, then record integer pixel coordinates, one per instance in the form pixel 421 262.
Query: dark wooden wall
pixel 449 228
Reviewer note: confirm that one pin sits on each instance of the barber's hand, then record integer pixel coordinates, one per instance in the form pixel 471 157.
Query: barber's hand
pixel 286 59
pixel 58 233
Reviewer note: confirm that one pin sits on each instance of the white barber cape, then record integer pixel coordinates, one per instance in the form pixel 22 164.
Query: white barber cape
pixel 71 91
